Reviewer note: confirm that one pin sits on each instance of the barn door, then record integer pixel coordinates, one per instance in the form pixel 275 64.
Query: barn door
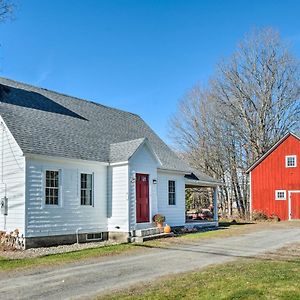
pixel 142 198
pixel 295 205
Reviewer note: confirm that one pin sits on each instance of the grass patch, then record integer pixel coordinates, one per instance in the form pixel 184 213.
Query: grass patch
pixel 244 279
pixel 54 259
pixel 225 229
pixel 220 232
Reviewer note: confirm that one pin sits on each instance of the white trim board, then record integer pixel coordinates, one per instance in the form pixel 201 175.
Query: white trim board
pixel 289 203
pixel 250 194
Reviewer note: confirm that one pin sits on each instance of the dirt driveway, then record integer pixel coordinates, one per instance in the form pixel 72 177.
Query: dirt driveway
pixel 87 279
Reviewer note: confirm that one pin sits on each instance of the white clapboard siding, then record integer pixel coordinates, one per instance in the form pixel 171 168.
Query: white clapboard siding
pixel 69 215
pixel 12 181
pixel 143 162
pixel 117 198
pixel 175 214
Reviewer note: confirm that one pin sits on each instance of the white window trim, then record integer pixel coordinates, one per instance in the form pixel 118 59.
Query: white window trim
pixel 94 239
pixel 59 187
pixel 172 205
pixel 93 188
pixel 280 191
pixel 286 161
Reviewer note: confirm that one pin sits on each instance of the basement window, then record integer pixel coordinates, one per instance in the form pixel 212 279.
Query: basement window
pixel 291 161
pixel 280 195
pixel 94 236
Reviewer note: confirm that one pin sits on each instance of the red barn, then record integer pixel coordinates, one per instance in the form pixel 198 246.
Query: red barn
pixel 275 180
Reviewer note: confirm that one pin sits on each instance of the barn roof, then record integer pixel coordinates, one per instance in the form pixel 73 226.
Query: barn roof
pixel 258 161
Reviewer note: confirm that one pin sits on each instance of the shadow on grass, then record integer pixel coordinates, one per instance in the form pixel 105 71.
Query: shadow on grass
pixel 234 223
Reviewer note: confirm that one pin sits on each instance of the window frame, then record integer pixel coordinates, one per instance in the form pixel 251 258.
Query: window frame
pixel 280 198
pixel 94 238
pixel 58 188
pixel 92 189
pixel 287 158
pixel 174 192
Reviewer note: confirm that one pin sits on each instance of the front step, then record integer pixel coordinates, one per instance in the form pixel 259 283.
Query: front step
pixel 141 239
pixel 148 231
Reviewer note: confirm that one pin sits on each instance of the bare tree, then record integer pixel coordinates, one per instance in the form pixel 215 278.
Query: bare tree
pixel 6 9
pixel 249 104
pixel 259 88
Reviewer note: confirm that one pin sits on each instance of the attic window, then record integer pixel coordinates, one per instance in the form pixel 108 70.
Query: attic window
pixel 291 161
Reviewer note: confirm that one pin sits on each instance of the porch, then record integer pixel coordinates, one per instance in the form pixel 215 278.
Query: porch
pixel 201 201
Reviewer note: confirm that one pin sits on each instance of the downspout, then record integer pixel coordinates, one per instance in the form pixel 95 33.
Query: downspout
pixel 77 234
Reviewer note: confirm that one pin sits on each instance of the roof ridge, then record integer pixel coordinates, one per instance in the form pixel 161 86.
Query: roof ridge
pixel 66 95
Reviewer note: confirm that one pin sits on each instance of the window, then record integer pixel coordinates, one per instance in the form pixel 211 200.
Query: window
pixel 280 195
pixel 172 199
pixel 52 187
pixel 291 161
pixel 94 236
pixel 86 189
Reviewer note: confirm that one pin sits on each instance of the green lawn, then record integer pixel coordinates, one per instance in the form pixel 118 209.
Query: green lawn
pixel 243 279
pixel 10 264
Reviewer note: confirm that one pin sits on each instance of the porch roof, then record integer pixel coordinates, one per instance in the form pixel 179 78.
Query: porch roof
pixel 198 179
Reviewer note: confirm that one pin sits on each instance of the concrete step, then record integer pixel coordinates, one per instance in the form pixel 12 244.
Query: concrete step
pixel 141 239
pixel 148 231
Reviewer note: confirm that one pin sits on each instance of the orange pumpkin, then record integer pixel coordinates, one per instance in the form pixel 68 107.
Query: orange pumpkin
pixel 167 229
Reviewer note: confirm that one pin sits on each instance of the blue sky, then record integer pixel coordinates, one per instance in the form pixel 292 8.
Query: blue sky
pixel 140 56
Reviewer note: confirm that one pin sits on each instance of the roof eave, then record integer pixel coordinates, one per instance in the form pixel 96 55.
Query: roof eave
pixel 202 183
pixel 271 150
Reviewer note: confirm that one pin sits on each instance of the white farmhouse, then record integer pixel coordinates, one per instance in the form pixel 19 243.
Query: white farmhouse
pixel 72 168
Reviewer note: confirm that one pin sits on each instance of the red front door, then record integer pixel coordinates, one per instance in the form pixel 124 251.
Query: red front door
pixel 295 205
pixel 142 198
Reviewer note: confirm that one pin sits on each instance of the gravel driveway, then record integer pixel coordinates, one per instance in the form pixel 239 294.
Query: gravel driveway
pixel 86 280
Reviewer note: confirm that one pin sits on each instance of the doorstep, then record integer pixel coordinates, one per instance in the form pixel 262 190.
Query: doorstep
pixel 141 239
pixel 148 231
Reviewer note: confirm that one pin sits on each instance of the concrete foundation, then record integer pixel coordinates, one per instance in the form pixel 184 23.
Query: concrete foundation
pixel 55 240
pixel 120 237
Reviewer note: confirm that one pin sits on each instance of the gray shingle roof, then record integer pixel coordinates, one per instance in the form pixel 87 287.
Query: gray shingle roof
pixel 123 151
pixel 198 178
pixel 49 123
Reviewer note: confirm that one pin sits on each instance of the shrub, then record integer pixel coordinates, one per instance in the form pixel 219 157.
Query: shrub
pixel 259 215
pixel 275 218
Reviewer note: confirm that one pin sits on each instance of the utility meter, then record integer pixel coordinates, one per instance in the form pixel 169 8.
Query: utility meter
pixel 4 206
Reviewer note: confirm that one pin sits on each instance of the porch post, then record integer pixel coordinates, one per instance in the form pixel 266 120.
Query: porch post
pixel 215 203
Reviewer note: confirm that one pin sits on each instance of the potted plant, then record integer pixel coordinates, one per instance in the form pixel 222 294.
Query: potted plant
pixel 159 220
